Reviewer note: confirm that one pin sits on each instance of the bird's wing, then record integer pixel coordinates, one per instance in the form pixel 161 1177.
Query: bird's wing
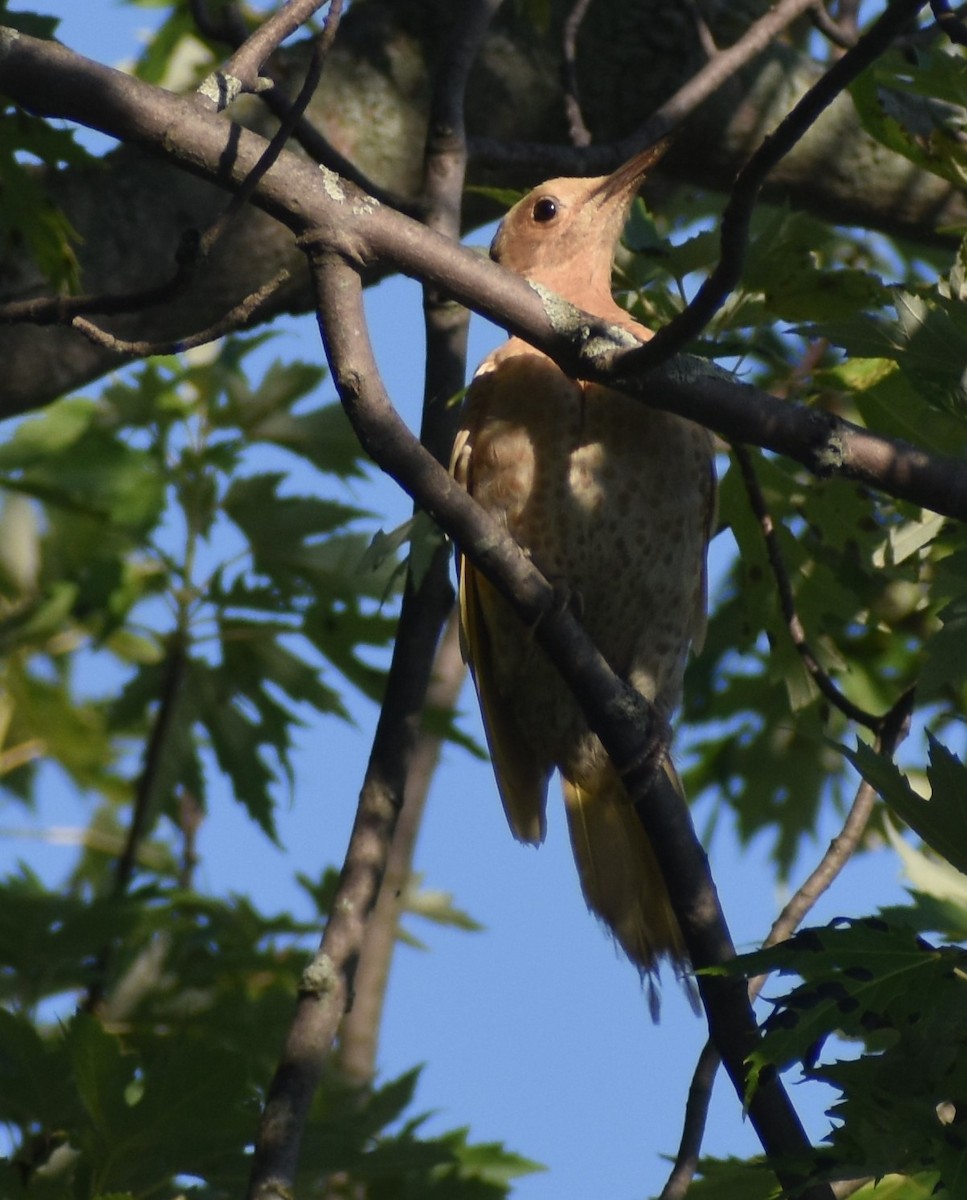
pixel 521 779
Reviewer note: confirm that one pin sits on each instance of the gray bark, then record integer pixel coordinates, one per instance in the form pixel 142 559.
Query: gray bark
pixel 132 211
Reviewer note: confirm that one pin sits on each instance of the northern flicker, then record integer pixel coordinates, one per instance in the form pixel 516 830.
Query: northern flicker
pixel 612 501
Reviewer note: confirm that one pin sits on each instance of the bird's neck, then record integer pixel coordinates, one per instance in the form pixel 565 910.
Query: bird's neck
pixel 588 289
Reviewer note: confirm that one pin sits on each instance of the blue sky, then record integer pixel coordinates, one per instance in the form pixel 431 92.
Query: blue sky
pixel 534 1032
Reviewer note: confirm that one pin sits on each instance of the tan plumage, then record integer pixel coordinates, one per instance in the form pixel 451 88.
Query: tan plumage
pixel 612 500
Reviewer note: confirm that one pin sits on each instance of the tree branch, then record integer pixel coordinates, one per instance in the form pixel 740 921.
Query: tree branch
pixel 446 327
pixel 239 317
pixel 620 717
pixel 49 78
pixel 843 36
pixel 376 838
pixel 840 172
pixel 584 159
pixel 278 24
pixel 893 729
pixel 950 22
pixel 787 601
pixel 143 807
pixel 241 72
pixel 749 182
pixel 59 310
pixel 359 1031
pixel 313 202
pixel 580 134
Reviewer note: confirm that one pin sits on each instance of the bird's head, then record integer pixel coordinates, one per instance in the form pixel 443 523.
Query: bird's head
pixel 563 234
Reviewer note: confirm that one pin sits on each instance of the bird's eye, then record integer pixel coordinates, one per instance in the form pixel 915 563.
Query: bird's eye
pixel 545 209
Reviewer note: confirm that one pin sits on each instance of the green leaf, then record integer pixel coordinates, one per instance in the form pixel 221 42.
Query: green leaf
pixel 946 651
pixel 30 23
pixel 538 12
pixel 782 265
pixel 734 1179
pixel 909 107
pixel 68 458
pixel 27 212
pixel 288 535
pixel 102 1073
pixel 338 628
pixel 436 906
pixel 868 980
pixel 254 657
pixel 34 1086
pixel 443 724
pixel 384 547
pixel 942 820
pixel 491 1161
pixel 238 741
pixel 50 943
pixel 505 197
pixel 166 50
pixel 907 1001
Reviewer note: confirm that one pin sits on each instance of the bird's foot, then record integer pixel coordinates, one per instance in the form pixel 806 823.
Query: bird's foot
pixel 648 763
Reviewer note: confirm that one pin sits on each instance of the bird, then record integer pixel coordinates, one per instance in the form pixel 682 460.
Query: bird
pixel 613 501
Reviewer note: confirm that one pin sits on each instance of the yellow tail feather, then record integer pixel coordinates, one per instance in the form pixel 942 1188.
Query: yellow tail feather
pixel 619 873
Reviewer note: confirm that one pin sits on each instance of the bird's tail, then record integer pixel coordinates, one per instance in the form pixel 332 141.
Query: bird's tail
pixel 620 877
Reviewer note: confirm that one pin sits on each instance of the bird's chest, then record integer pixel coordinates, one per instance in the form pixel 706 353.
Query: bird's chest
pixel 580 477
pixel 609 498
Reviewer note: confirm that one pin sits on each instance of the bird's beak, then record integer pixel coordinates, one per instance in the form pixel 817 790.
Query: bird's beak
pixel 629 176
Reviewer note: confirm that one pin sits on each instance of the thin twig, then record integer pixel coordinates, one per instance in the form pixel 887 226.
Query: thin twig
pixel 842 35
pixel 693 1127
pixel 787 601
pixel 321 46
pixel 580 134
pixel 230 26
pixel 322 151
pixel 738 212
pixel 58 310
pixel 446 350
pixel 157 746
pixel 721 67
pixel 143 807
pixel 848 17
pixel 190 818
pixel 245 65
pixel 708 79
pixel 894 727
pixel 194 248
pixel 705 38
pixel 952 25
pixel 232 30
pixel 236 318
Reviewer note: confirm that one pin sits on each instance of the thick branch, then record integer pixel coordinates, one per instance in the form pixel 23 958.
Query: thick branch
pixel 371 106
pixel 310 200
